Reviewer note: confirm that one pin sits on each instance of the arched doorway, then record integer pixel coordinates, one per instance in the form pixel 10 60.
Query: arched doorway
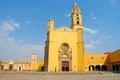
pixel 104 68
pixel 65 63
pixel 42 68
pixel 11 67
pixel 97 67
pixel 65 58
pixel 117 67
pixel 2 67
pixel 91 68
pixel 113 67
pixel 19 68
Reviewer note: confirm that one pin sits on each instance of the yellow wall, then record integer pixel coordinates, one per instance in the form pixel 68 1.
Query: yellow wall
pixel 95 59
pixel 26 65
pixel 114 56
pixel 37 65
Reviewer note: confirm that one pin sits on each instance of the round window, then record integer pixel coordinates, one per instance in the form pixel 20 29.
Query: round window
pixel 65 46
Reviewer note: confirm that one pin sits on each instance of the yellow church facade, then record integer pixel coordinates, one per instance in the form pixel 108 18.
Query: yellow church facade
pixel 64 49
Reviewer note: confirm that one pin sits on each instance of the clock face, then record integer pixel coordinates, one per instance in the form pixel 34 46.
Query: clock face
pixel 65 47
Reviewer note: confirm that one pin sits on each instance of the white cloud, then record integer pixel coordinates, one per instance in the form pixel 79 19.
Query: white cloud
pixel 9 25
pixel 12 48
pixel 94 42
pixel 90 30
pixel 6 26
pixel 67 15
pixel 91 44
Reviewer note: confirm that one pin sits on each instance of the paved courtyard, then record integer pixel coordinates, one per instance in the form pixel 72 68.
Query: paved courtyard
pixel 58 76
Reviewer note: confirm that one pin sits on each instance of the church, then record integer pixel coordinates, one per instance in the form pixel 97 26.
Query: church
pixel 64 49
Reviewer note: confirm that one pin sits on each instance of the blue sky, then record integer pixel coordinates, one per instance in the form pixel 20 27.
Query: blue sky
pixel 23 25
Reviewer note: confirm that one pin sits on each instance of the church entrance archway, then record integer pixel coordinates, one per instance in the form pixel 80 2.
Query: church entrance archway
pixel 65 57
pixel 65 62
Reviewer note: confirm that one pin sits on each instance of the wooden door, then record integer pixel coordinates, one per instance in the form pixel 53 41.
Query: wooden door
pixel 65 65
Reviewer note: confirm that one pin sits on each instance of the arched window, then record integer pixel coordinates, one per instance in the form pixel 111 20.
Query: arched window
pixel 77 20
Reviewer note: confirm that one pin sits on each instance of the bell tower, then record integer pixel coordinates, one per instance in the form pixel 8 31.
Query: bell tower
pixel 77 25
pixel 76 17
pixel 50 24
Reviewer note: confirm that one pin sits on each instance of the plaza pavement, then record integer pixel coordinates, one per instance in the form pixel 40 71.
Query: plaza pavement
pixel 9 75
